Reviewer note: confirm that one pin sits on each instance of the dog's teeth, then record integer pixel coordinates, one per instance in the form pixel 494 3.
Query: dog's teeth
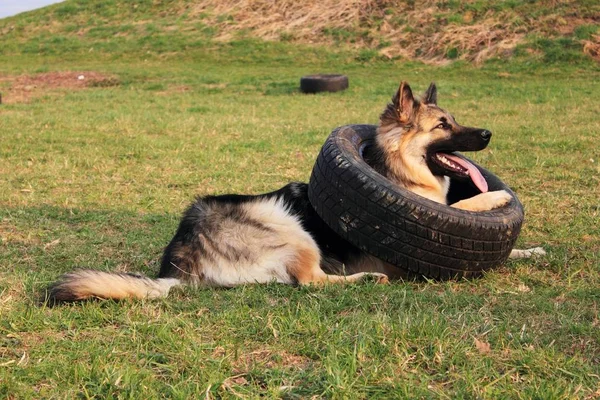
pixel 444 160
pixel 451 164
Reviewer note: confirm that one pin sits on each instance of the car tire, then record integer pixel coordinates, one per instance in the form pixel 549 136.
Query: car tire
pixel 323 83
pixel 415 234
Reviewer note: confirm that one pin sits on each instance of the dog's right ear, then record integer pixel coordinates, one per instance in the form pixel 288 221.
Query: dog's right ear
pixel 401 110
pixel 404 102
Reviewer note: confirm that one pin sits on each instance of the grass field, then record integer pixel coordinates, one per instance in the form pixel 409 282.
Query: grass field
pixel 96 172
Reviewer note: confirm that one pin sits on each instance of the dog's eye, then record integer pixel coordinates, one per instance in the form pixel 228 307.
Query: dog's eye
pixel 443 125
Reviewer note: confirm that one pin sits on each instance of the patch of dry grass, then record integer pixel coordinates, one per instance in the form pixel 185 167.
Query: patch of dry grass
pixel 429 31
pixel 592 47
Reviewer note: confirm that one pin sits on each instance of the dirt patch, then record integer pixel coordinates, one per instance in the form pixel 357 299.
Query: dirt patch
pixel 174 90
pixel 22 88
pixel 10 234
pixel 270 359
pixel 267 358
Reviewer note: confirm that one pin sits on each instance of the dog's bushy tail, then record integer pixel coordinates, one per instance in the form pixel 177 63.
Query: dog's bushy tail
pixel 85 284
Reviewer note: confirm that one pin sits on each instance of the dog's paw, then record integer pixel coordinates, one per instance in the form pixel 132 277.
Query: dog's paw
pixel 377 277
pixel 485 201
pixel 528 253
pixel 498 198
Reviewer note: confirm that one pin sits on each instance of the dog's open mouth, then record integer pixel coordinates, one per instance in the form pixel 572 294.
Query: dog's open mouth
pixel 461 167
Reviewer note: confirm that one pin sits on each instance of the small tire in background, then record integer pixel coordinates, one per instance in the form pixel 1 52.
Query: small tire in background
pixel 323 83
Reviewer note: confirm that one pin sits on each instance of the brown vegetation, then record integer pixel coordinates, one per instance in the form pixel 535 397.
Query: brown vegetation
pixel 592 47
pixel 430 31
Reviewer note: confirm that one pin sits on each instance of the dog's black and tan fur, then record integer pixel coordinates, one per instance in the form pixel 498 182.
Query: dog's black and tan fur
pixel 233 240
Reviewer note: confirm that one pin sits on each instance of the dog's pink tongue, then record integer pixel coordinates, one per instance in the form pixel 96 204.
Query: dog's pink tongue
pixel 474 173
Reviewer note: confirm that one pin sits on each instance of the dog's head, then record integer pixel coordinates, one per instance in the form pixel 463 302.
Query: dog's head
pixel 420 130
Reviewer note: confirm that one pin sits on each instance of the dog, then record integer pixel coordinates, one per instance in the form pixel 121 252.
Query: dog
pixel 231 240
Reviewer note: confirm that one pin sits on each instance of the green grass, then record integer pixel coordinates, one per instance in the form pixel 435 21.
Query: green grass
pixel 98 178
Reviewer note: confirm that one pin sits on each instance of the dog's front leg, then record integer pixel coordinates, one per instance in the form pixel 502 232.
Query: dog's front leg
pixel 484 201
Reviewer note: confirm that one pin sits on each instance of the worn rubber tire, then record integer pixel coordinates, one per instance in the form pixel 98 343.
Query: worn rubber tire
pixel 323 83
pixel 418 235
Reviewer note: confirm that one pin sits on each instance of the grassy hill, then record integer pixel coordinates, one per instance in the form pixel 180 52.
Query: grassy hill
pixel 116 114
pixel 429 31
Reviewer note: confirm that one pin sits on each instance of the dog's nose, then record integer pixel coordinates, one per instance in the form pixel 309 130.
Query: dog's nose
pixel 485 134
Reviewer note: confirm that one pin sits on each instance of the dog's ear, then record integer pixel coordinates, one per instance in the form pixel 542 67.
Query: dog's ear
pixel 430 96
pixel 404 103
pixel 401 109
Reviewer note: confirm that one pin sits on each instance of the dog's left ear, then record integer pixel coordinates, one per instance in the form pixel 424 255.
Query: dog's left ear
pixel 430 96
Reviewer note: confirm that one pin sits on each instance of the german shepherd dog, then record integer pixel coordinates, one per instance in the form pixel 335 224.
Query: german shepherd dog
pixel 231 240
